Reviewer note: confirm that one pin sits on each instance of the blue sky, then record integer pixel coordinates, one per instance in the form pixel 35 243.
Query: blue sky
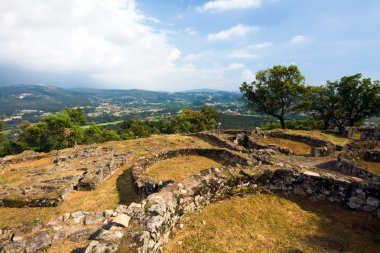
pixel 180 45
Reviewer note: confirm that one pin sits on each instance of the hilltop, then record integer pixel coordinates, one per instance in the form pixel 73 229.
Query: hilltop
pixel 282 190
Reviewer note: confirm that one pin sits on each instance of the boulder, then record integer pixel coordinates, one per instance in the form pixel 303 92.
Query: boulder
pixel 122 220
pixel 40 241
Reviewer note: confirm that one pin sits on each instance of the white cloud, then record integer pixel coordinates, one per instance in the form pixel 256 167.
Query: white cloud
pixel 248 76
pixel 238 30
pixel 262 45
pixel 108 40
pixel 191 31
pixel 243 54
pixel 174 54
pixel 218 6
pixel 235 66
pixel 298 39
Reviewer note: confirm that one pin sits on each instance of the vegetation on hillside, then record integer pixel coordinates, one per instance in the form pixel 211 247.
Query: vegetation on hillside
pixel 65 129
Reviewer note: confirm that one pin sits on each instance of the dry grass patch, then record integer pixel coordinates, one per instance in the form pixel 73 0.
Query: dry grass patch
pixel 298 148
pixel 181 167
pixel 373 167
pixel 268 223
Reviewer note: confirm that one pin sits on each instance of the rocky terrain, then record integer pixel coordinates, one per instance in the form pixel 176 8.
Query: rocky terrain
pixel 328 173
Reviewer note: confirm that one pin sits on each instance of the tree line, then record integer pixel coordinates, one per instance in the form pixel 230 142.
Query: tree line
pixel 67 129
pixel 281 90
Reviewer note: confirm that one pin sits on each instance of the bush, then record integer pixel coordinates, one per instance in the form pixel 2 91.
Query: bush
pixel 308 125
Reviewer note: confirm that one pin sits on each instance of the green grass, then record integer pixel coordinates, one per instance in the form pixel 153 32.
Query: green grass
pixel 269 223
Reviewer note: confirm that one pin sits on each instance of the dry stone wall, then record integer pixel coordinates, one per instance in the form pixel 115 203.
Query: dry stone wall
pixel 217 140
pixel 82 168
pixel 372 156
pixel 350 168
pixel 146 185
pixel 358 149
pixel 319 148
pixel 161 212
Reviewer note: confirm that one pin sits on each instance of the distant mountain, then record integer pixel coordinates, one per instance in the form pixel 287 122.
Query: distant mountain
pixel 51 99
pixel 201 90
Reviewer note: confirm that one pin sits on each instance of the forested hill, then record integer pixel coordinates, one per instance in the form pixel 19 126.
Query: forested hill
pixel 50 99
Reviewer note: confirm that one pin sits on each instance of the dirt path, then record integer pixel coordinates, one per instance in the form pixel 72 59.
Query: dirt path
pixel 325 163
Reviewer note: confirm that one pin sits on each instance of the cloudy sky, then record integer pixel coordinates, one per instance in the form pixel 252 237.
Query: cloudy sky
pixel 184 44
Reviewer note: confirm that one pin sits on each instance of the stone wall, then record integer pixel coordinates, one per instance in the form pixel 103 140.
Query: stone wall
pixel 370 133
pixel 319 147
pixel 81 168
pixel 251 143
pixel 358 149
pixel 36 237
pixel 236 132
pixel 350 168
pixel 372 156
pixel 146 185
pixel 160 213
pixel 217 140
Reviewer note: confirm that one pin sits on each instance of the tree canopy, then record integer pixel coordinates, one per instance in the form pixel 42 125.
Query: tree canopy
pixel 276 91
pixel 346 102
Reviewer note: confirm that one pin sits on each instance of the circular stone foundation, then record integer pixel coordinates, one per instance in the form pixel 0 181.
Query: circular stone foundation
pixel 178 168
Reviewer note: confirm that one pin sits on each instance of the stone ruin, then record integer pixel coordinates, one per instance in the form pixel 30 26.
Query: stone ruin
pixel 146 226
pixel 369 134
pixel 81 168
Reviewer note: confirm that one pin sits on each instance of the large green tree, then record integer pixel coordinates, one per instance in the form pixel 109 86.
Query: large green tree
pixel 276 91
pixel 55 131
pixel 324 103
pixel 359 98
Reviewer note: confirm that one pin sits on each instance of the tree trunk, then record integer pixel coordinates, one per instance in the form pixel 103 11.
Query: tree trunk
pixel 326 124
pixel 341 129
pixel 282 121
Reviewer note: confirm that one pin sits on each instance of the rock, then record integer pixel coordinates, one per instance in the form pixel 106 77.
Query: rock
pixel 89 220
pixel 77 216
pixel 81 234
pixel 59 235
pixel 310 173
pixel 371 201
pixel 40 241
pixel 108 213
pixel 66 216
pixel 100 247
pixel 113 235
pixel 13 247
pixel 17 236
pixel 121 209
pixel 122 220
pixel 355 203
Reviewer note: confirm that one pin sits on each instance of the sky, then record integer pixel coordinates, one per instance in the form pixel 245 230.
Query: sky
pixel 174 45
